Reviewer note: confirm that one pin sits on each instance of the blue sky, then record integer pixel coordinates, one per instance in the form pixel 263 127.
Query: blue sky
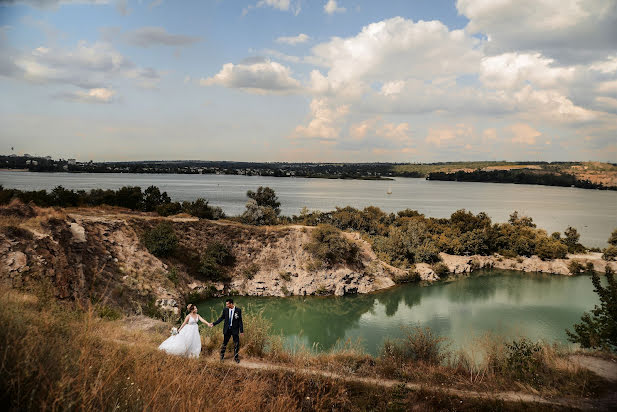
pixel 319 80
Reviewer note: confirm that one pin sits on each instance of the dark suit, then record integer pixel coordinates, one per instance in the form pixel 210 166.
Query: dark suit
pixel 231 331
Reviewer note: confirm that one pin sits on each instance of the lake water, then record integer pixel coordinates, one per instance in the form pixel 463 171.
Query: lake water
pixel 592 212
pixel 509 304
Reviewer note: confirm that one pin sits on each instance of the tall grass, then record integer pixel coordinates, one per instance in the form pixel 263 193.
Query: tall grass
pixel 60 356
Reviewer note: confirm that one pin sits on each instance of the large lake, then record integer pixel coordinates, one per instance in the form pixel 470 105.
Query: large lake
pixel 508 304
pixel 592 212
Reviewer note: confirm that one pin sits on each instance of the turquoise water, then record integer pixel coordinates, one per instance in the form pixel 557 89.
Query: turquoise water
pixel 510 304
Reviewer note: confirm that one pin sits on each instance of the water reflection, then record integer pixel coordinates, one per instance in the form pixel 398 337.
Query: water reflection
pixel 507 303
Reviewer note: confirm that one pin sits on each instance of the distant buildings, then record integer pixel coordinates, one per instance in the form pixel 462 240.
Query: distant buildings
pixel 72 162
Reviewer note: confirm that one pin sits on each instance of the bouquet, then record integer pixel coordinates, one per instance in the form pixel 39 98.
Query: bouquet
pixel 174 331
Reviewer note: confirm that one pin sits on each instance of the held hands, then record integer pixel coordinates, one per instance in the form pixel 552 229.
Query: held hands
pixel 209 324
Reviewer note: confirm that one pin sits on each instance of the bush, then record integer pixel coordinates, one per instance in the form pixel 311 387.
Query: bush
pixel 220 253
pixel 172 275
pixel 551 249
pixel 612 240
pixel 161 240
pixel 250 271
pixel 200 208
pixel 522 360
pixel 598 329
pixel 169 209
pixel 258 215
pixel 575 267
pixel 153 198
pixel 441 270
pixel 419 344
pixel 571 240
pixel 610 253
pixel 330 247
pixel 265 197
pixel 209 269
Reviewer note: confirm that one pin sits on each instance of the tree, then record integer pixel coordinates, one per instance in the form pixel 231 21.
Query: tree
pixel 265 197
pixel 598 329
pixel 571 240
pixel 161 240
pixel 612 240
pixel 153 198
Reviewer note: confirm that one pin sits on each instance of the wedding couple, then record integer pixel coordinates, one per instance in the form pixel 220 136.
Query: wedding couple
pixel 188 342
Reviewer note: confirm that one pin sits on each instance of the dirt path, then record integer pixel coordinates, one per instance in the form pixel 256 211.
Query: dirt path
pixel 584 404
pixel 601 367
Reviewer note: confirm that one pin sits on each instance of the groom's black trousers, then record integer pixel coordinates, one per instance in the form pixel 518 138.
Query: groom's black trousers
pixel 226 337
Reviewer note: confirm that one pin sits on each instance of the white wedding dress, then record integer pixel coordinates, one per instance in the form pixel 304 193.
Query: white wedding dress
pixel 186 343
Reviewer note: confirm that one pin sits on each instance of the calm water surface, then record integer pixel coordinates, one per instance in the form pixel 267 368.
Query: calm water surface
pixel 592 212
pixel 510 304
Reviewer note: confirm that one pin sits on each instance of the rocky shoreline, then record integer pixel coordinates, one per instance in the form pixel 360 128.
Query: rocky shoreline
pixel 98 250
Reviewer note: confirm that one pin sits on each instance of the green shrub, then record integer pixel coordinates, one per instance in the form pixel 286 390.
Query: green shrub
pixel 522 360
pixel 220 253
pixel 419 344
pixel 109 313
pixel 598 328
pixel 575 267
pixel 610 253
pixel 169 209
pixel 551 249
pixel 161 240
pixel 330 247
pixel 441 270
pixel 209 269
pixel 172 275
pixel 250 271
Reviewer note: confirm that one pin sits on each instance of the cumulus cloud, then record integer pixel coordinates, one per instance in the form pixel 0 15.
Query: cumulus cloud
pixel 325 123
pixel 449 135
pixel 396 49
pixel 282 5
pixel 260 76
pixel 98 95
pixel 522 133
pixel 566 30
pixel 87 66
pixel 332 7
pixel 293 40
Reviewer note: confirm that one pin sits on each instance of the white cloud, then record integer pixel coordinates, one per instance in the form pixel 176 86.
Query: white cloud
pixel 522 133
pixel 98 95
pixel 332 7
pixel 567 30
pixel 325 122
pixel 256 77
pixel 449 135
pixel 395 50
pixel 293 40
pixel 282 5
pixel 391 88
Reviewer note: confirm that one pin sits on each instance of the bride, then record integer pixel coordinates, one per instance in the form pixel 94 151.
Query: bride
pixel 187 342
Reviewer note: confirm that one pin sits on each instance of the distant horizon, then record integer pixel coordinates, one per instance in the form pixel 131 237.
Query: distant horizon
pixel 311 162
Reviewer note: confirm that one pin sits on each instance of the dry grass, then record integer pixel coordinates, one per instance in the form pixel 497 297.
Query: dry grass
pixel 56 356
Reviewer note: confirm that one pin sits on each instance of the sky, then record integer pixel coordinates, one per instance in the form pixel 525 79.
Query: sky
pixel 309 80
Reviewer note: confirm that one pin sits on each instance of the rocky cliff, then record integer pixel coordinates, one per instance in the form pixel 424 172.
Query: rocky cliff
pixel 97 254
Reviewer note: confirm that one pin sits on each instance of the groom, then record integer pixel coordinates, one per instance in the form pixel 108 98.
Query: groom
pixel 232 316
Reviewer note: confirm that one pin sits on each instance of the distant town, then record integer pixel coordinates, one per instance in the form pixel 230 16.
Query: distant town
pixel 586 175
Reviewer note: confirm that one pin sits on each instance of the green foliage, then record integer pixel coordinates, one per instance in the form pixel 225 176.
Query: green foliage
pixel 220 253
pixel 286 276
pixel 161 240
pixel 612 240
pixel 441 270
pixel 200 208
pixel 172 275
pixel 169 209
pixel 610 253
pixel 551 249
pixel 419 344
pixel 522 360
pixel 129 197
pixel 265 197
pixel 598 328
pixel 250 271
pixel 214 260
pixel 153 198
pixel 571 240
pixel 258 215
pixel 521 221
pixel 330 247
pixel 109 313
